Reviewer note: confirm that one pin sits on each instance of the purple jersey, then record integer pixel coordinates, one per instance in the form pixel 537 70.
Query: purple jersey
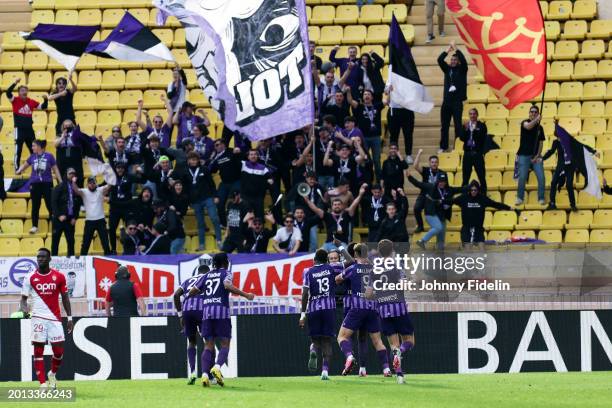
pixel 358 277
pixel 391 303
pixel 321 283
pixel 192 302
pixel 164 134
pixel 215 296
pixel 42 165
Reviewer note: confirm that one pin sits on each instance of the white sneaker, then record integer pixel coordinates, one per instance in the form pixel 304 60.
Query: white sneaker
pixel 518 201
pixel 409 159
pixel 52 380
pixel 442 34
pixel 541 202
pixel 440 151
pixel 43 386
pixel 362 372
pixel 400 379
pixel 33 230
pixel 324 375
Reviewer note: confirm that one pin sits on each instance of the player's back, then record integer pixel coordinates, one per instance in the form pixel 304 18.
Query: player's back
pixel 215 296
pixel 391 302
pixel 358 278
pixel 192 302
pixel 44 291
pixel 321 283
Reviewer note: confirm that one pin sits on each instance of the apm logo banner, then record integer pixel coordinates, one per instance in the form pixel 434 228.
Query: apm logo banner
pixel 251 60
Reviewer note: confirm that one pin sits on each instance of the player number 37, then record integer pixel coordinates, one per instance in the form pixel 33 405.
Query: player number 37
pixel 212 286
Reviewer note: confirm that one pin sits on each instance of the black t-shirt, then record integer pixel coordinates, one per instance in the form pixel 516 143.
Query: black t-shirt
pixel 345 168
pixel 430 176
pixel 235 215
pixel 304 226
pixel 320 169
pixel 368 119
pixel 338 112
pixel 332 222
pixel 64 107
pixel 530 139
pixel 393 173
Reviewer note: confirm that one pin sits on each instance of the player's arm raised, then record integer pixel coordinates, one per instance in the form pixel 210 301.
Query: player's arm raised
pixel 229 286
pixel 68 309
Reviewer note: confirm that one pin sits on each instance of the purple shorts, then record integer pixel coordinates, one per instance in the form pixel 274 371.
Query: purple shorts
pixel 400 324
pixel 361 319
pixel 192 319
pixel 216 328
pixel 322 323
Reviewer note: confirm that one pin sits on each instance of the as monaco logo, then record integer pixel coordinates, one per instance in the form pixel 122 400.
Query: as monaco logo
pixel 19 270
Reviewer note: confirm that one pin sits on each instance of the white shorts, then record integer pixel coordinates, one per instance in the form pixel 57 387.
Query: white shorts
pixel 44 330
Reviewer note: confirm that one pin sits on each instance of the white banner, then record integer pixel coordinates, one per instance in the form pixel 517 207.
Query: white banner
pixel 14 269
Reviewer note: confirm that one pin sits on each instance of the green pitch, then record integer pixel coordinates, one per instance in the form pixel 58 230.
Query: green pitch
pixel 498 390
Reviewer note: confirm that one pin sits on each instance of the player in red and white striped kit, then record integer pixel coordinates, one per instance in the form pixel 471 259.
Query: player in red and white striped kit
pixel 44 286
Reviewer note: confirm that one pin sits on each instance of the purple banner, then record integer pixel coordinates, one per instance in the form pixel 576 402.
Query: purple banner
pixel 251 60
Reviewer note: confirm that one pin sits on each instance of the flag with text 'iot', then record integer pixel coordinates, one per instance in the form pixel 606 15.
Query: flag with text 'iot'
pixel 507 43
pixel 251 60
pixel 404 83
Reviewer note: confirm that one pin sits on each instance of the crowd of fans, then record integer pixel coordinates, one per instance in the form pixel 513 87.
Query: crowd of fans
pixel 331 174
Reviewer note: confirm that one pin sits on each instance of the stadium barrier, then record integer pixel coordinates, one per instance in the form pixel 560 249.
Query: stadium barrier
pixel 274 345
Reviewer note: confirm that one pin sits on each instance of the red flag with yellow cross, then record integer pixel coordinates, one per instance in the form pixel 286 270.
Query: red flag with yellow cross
pixel 507 43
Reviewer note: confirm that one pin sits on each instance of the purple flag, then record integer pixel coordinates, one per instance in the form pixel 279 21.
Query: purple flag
pixel 251 59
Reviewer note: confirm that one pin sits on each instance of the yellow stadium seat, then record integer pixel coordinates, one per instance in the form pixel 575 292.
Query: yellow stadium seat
pixel 371 14
pixel 12 41
pixel 314 32
pixel 66 4
pixel 574 30
pixel 608 54
pixel 569 109
pixel 109 117
pixel 399 10
pixel 577 236
pixel 529 220
pixel 494 179
pixel 498 236
pixel 608 112
pixel 323 15
pixel 44 211
pixel 455 222
pixel 550 50
pixel 151 99
pixel 497 126
pixel 606 160
pixel 137 79
pixel 592 109
pixel 123 3
pixel 141 14
pixel 39 118
pixel 602 219
pixel 331 35
pixel 496 160
pixel 560 70
pixel 570 91
pixel 90 80
pixel 600 29
pixel 552 30
pixel 90 17
pixel 346 14
pixel 408 31
pixel 526 233
pixel 111 17
pixel 544 8
pixel 308 12
pixel 11 61
pixel 521 111
pixel 554 219
pixel 43 227
pixel 566 50
pixel 87 62
pixel 585 70
pixel 166 36
pixel 43 4
pixel 510 144
pixel 601 236
pixel 354 34
pixel 11 228
pixel 378 34
pixel 85 117
pixel 572 125
pixel 35 60
pixel 579 219
pixel 42 16
pixel 559 10
pixel 9 247
pixel 449 160
pixel 554 236
pixel 503 220
pixel 551 91
pixel 67 17
pixel 604 141
pixel 586 9
pixel 592 49
pixel 496 111
pixel 181 57
pixel 113 79
pixel 107 100
pixel 160 78
pixel 108 64
pixel 129 99
pixel 604 69
pixel 586 200
pixel 14 208
pixel 29 244
pixel 84 100
pixel 39 80
pixel 478 92
pixel 594 90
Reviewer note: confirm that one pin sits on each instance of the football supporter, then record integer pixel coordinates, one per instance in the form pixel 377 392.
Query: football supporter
pixel 65 203
pixel 131 238
pixel 255 178
pixel 474 136
pixel 237 212
pixel 258 237
pixel 23 107
pixel 119 195
pixel 68 149
pixel 227 162
pixel 373 206
pixel 528 156
pixel 429 174
pixel 393 226
pixel 288 238
pixel 185 121
pixel 160 243
pixel 455 92
pixel 392 173
pixel 124 297
pixel 93 201
pixel 43 286
pixel 63 96
pixel 159 127
pixel 215 287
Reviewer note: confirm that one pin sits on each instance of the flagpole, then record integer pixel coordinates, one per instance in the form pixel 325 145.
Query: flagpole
pixel 545 59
